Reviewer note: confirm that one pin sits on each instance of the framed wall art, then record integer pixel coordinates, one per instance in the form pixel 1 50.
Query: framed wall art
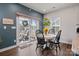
pixel 7 21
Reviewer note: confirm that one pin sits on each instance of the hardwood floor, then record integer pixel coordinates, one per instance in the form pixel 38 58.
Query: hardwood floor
pixel 11 52
pixel 30 51
pixel 65 51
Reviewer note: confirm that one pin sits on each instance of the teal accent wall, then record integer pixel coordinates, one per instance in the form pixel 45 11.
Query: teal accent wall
pixel 8 36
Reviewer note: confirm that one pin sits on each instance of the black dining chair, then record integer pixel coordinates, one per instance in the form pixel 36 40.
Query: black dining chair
pixel 40 39
pixel 56 42
pixel 38 31
pixel 51 31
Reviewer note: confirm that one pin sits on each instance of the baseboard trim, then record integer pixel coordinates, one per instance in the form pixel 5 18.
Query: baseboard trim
pixel 4 49
pixel 66 42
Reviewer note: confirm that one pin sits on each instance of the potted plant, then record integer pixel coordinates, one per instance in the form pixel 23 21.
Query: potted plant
pixel 46 23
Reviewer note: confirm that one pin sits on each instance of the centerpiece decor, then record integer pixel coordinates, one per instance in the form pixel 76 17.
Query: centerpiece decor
pixel 45 30
pixel 46 23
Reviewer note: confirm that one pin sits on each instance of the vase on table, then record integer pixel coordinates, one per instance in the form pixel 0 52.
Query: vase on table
pixel 46 31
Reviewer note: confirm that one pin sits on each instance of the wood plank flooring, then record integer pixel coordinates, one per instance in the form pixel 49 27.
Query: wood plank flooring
pixel 11 52
pixel 30 51
pixel 65 51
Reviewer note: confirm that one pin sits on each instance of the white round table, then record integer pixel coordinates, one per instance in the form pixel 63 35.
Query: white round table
pixel 49 36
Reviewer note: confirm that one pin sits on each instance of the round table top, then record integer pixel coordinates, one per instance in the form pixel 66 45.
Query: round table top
pixel 49 36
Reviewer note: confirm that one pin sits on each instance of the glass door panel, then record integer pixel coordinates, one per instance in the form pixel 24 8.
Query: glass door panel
pixel 23 27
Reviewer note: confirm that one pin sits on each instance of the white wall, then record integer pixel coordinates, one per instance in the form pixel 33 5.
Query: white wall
pixel 68 18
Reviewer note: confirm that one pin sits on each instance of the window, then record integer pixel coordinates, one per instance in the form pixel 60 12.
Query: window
pixel 55 24
pixel 34 26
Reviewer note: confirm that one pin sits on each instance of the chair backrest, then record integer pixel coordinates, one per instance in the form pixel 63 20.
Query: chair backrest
pixel 40 37
pixel 38 31
pixel 51 31
pixel 58 36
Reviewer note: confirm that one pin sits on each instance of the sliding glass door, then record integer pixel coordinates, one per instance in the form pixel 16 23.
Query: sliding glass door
pixel 26 28
pixel 23 32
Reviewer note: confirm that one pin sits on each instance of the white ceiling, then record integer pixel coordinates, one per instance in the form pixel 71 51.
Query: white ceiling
pixel 47 7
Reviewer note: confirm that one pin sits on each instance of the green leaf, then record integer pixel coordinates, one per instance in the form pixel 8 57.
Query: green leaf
pixel 45 18
pixel 46 22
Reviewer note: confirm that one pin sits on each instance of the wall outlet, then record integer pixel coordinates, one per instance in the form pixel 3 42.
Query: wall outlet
pixel 14 41
pixel 13 27
pixel 5 27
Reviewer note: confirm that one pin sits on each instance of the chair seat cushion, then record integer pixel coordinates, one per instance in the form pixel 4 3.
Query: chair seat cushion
pixel 40 35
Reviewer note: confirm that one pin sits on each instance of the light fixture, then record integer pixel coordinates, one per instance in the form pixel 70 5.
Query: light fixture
pixel 44 10
pixel 53 7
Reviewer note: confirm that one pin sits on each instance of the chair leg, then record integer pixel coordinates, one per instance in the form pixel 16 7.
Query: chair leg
pixel 59 46
pixel 56 49
pixel 37 47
